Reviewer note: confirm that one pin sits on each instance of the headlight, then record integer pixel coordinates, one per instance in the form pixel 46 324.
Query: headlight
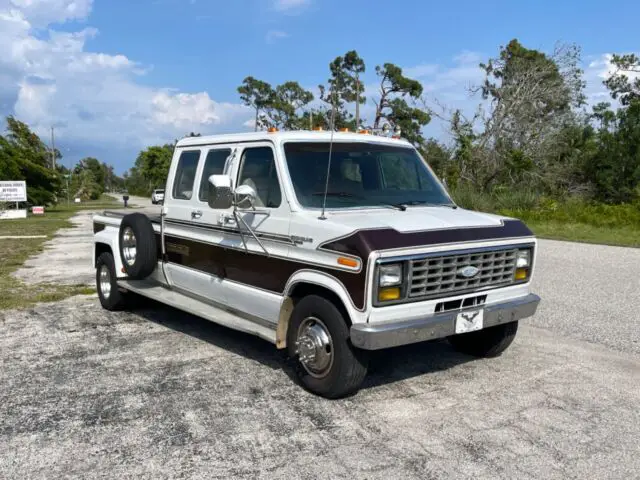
pixel 523 265
pixel 390 275
pixel 523 259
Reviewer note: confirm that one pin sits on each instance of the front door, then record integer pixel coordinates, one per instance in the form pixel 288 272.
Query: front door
pixel 256 263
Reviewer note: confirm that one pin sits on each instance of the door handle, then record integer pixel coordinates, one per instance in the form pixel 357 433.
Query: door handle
pixel 196 214
pixel 226 219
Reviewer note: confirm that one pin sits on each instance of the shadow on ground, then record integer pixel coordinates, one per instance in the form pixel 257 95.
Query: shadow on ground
pixel 386 367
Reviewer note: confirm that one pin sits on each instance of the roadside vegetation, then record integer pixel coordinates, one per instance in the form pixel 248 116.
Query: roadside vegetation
pixel 15 294
pixel 571 218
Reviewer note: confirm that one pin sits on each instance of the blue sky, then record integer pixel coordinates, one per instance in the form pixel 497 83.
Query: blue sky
pixel 116 75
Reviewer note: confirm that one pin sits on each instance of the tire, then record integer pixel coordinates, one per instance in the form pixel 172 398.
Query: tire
pixel 137 245
pixel 348 366
pixel 487 343
pixel 111 298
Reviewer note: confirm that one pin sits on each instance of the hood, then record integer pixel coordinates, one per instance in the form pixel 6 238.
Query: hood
pixel 414 219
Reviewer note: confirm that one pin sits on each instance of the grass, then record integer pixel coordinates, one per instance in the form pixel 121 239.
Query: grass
pixel 15 294
pixel 571 219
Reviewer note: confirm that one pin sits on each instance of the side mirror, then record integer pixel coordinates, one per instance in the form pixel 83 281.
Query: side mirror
pixel 220 194
pixel 245 196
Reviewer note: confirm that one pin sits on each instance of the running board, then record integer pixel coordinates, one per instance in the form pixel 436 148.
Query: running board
pixel 153 290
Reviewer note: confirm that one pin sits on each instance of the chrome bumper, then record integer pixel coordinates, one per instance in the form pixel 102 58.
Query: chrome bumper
pixel 392 334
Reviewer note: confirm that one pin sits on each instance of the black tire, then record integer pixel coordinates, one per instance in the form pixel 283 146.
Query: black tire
pixel 113 299
pixel 145 259
pixel 349 364
pixel 488 342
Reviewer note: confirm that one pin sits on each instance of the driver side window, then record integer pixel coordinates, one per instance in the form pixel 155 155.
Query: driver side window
pixel 258 170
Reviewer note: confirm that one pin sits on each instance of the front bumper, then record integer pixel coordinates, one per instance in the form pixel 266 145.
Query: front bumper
pixel 392 334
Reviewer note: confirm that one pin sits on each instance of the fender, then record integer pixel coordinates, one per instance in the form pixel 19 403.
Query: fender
pixel 109 236
pixel 323 280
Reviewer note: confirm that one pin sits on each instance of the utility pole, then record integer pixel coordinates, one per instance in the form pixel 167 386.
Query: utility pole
pixel 53 151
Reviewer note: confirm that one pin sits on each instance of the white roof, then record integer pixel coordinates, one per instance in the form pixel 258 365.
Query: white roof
pixel 298 135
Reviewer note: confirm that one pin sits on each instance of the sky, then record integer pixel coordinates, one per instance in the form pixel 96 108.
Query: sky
pixel 115 76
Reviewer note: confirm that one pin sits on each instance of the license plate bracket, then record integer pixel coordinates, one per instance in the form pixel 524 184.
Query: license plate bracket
pixel 469 321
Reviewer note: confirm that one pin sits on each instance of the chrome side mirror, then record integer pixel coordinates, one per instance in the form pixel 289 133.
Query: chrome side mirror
pixel 245 196
pixel 220 195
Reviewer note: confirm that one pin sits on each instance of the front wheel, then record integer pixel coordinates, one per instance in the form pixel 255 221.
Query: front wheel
pixel 488 342
pixel 318 343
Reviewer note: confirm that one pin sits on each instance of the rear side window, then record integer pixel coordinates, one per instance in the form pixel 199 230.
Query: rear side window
pixel 185 177
pixel 213 165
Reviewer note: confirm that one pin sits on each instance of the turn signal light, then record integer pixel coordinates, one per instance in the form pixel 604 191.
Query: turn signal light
pixel 348 262
pixel 522 273
pixel 387 294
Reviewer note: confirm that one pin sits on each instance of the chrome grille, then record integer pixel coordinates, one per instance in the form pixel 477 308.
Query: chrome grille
pixel 436 276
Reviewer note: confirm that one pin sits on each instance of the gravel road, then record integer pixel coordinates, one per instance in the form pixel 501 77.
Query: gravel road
pixel 156 393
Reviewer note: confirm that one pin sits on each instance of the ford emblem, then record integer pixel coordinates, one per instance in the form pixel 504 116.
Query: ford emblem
pixel 468 272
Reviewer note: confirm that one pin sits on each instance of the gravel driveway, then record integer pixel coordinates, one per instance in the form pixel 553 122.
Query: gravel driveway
pixel 156 393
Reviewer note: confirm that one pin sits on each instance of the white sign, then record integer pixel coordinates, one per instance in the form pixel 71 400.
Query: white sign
pixel 13 191
pixel 11 214
pixel 37 210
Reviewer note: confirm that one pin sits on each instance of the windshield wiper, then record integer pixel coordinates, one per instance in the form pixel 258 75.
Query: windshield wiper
pixel 427 204
pixel 361 197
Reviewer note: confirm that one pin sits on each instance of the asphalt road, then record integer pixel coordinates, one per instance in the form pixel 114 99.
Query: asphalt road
pixel 156 393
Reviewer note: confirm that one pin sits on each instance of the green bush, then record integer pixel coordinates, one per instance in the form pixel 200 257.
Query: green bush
pixel 527 205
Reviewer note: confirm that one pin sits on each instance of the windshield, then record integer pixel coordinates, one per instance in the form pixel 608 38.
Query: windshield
pixel 361 174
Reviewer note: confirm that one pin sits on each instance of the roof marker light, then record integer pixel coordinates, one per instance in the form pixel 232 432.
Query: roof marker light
pixel 272 130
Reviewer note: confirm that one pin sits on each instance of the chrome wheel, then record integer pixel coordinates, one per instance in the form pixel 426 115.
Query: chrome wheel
pixel 105 281
pixel 314 347
pixel 129 246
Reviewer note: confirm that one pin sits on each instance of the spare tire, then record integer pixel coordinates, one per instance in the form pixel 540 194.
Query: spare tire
pixel 138 248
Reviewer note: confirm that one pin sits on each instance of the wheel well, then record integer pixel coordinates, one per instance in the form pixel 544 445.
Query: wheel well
pixel 302 289
pixel 102 248
pixel 299 291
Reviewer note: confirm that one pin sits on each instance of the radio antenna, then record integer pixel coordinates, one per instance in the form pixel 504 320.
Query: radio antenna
pixel 332 127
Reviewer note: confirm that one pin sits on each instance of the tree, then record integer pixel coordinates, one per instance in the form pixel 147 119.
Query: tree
pixel 531 100
pixel 85 186
pixel 23 156
pixel 344 86
pixel 615 168
pixel 150 170
pixel 392 105
pixel 282 109
pixel 257 95
pixel 619 84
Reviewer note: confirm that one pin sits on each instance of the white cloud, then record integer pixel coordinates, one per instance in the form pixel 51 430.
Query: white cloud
pixel 290 6
pixel 598 69
pixel 42 13
pixel 274 35
pixel 48 78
